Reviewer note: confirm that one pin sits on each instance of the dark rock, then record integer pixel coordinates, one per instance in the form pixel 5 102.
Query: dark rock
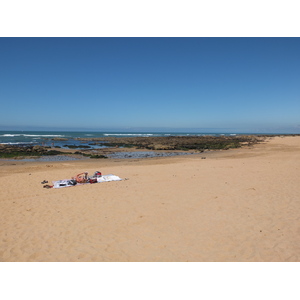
pixel 39 149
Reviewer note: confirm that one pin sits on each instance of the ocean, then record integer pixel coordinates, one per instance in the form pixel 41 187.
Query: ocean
pixel 49 138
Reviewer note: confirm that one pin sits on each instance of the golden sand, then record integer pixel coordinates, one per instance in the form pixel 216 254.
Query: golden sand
pixel 235 205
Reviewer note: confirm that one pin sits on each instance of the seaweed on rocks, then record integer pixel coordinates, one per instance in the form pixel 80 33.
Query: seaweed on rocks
pixel 169 143
pixel 76 146
pixel 13 151
pixel 90 155
pixel 199 143
pixel 97 156
pixel 54 152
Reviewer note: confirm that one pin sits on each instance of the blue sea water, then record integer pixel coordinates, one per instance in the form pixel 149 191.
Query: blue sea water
pixel 46 137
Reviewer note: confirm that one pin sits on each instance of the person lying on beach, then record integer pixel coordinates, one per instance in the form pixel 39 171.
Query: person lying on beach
pixel 81 178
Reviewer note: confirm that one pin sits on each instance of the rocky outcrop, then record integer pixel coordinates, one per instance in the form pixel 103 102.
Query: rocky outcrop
pixel 38 149
pixel 180 142
pixel 8 151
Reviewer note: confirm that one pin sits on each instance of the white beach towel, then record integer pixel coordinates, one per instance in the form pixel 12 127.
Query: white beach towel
pixel 67 182
pixel 109 177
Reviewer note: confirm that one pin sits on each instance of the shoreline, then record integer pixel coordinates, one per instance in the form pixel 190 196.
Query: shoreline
pixel 136 147
pixel 236 205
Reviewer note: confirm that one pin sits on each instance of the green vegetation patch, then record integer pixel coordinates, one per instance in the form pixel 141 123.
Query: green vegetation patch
pixel 90 155
pixel 19 152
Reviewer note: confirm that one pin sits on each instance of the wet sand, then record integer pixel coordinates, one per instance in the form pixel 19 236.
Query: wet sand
pixel 235 205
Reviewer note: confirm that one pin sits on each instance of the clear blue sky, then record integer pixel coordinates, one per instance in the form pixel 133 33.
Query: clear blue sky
pixel 240 84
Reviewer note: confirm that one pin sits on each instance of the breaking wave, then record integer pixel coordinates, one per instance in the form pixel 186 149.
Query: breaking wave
pixel 32 135
pixel 128 134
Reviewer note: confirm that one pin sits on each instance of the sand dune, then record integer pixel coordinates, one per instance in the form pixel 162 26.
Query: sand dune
pixel 235 205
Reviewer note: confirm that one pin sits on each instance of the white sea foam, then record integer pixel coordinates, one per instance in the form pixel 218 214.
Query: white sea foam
pixel 43 135
pixel 32 135
pixel 129 134
pixel 17 143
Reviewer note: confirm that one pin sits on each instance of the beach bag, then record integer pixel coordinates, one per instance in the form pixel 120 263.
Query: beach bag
pixel 72 182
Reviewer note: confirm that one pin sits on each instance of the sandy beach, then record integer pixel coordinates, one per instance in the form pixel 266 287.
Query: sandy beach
pixel 236 205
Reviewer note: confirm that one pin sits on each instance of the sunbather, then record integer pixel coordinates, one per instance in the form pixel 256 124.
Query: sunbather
pixel 81 178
